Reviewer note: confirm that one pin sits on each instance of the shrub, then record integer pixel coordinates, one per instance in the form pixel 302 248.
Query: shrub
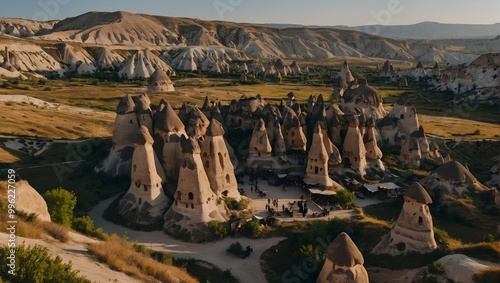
pixel 235 248
pixel 34 264
pixel 489 238
pixel 435 268
pixel 83 225
pixel 252 228
pixel 441 236
pixel 233 204
pixel 346 198
pixel 100 234
pixel 218 229
pixel 61 204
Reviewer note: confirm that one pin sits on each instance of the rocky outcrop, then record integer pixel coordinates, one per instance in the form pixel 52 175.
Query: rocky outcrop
pixel 195 204
pixel 343 263
pixel 317 162
pixel 168 130
pixel 160 82
pixel 145 201
pixel 413 231
pixel 118 161
pixel 28 200
pixel 217 162
pixel 452 178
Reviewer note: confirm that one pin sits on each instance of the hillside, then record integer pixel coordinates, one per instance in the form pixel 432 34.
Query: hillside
pixel 423 30
pixel 127 31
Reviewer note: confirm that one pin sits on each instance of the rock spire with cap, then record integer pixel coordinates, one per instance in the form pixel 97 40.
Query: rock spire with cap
pixel 145 202
pixel 413 231
pixel 168 130
pixel 343 263
pixel 217 162
pixel 195 204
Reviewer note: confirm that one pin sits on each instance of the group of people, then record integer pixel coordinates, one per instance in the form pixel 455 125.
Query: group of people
pixel 275 205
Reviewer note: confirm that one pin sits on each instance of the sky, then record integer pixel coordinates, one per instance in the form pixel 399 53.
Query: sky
pixel 311 12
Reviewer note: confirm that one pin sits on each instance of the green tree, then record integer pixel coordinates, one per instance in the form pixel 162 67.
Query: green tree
pixel 252 228
pixel 345 197
pixel 83 224
pixel 34 264
pixel 61 204
pixel 218 229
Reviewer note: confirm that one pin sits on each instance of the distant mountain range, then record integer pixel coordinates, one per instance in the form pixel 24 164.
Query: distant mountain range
pixel 424 30
pixel 106 39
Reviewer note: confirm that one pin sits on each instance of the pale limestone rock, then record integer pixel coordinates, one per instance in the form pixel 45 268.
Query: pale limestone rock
pixel 413 231
pixel 345 73
pixel 343 263
pixel 410 152
pixel 168 130
pixel 195 204
pixel 217 162
pixel 317 162
pixel 293 133
pixel 260 147
pixel 160 82
pixel 145 202
pixel 29 201
pixel 118 162
pixel 354 151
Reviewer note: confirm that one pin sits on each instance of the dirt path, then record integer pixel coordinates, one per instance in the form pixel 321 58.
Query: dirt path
pixel 76 251
pixel 246 270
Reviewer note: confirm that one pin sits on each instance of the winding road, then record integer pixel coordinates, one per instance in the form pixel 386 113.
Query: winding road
pixel 246 270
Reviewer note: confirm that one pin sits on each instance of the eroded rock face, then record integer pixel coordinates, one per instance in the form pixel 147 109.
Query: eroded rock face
pixel 452 178
pixel 317 161
pixel 343 263
pixel 354 151
pixel 118 161
pixel 160 82
pixel 168 130
pixel 260 147
pixel 413 231
pixel 29 200
pixel 217 162
pixel 145 202
pixel 195 204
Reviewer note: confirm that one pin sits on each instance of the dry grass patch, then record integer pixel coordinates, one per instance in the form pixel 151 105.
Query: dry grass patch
pixel 119 254
pixel 490 274
pixel 55 230
pixel 28 120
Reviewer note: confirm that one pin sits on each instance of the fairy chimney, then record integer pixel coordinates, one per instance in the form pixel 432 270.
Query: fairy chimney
pixel 160 82
pixel 143 112
pixel 354 151
pixel 317 161
pixel 118 162
pixel 195 204
pixel 413 231
pixel 343 263
pixel 373 152
pixel 217 162
pixel 260 147
pixel 145 202
pixel 410 152
pixel 345 72
pixel 293 133
pixel 168 130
